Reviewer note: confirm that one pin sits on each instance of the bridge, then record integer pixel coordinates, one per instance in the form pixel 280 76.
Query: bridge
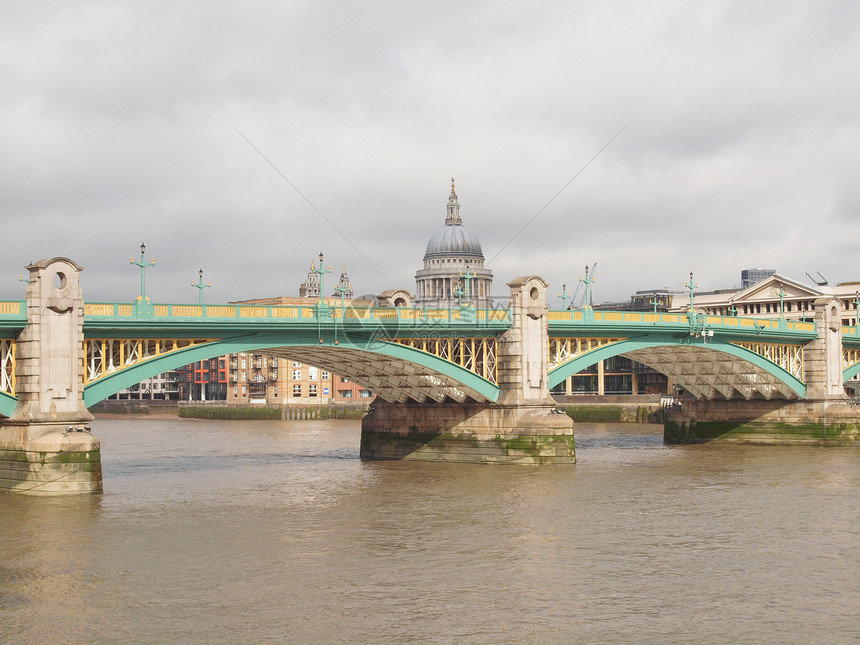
pixel 436 354
pixel 452 373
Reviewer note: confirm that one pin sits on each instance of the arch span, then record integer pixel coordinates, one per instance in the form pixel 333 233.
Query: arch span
pixel 7 404
pixel 850 372
pixel 717 369
pixel 395 372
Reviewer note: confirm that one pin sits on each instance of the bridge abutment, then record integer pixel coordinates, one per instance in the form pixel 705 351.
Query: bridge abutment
pixel 45 446
pixel 522 427
pixel 824 417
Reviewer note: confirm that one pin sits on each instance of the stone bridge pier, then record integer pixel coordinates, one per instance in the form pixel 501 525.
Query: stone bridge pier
pixel 522 427
pixel 45 446
pixel 823 417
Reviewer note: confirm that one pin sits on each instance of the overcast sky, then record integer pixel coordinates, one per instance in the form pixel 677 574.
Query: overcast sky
pixel 245 138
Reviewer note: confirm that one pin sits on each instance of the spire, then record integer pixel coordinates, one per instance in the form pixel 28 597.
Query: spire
pixel 453 216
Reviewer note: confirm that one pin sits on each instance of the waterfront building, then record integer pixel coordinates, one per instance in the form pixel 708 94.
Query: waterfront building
pixel 771 297
pixel 258 378
pixel 453 261
pixel 203 380
pixel 164 387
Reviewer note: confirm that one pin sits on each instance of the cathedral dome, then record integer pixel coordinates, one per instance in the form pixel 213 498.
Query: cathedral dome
pixel 453 239
pixel 454 274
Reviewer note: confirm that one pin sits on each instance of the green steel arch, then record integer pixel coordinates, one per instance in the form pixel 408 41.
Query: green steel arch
pixel 368 345
pixel 631 345
pixel 7 404
pixel 850 372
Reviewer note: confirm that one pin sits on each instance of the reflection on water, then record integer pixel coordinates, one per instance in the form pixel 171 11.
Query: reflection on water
pixel 276 531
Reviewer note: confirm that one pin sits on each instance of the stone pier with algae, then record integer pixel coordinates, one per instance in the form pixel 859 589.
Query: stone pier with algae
pixel 522 427
pixel 45 446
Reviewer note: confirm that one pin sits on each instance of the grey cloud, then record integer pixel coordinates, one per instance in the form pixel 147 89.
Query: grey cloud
pixel 117 129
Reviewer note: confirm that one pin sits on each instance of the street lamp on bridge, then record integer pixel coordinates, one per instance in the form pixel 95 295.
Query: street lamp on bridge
pixel 563 295
pixel 691 285
pixel 200 286
pixel 782 294
pixel 856 308
pixel 143 266
pixel 587 282
pixel 321 272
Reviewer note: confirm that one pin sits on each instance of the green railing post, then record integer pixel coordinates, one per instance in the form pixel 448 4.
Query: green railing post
pixel 564 297
pixel 200 286
pixel 143 304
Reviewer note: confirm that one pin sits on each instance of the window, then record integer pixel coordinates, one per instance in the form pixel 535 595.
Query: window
pixel 244 391
pixel 244 363
pixel 344 380
pixel 235 390
pixel 244 376
pixel 297 390
pixel 297 375
pixel 312 390
pixel 275 391
pixel 365 394
pixel 345 394
pixel 324 375
pixel 313 374
pixel 296 364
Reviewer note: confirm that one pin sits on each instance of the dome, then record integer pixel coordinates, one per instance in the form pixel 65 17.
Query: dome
pixel 453 239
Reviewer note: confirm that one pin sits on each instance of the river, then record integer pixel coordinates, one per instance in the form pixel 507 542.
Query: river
pixel 223 532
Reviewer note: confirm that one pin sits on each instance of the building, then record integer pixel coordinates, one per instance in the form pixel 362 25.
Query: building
pixel 165 387
pixel 749 277
pixel 453 266
pixel 775 296
pixel 203 380
pixel 258 378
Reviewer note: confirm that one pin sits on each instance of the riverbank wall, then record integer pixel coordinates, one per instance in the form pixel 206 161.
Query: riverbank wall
pixel 645 408
pixel 220 410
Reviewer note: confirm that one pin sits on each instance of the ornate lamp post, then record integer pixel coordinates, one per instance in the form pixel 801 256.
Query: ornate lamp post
pixel 654 303
pixel 733 311
pixel 468 278
pixel 460 292
pixel 781 295
pixel 143 266
pixel 200 286
pixel 321 308
pixel 564 297
pixel 856 308
pixel 587 282
pixel 691 285
pixel 342 288
pixel 321 272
